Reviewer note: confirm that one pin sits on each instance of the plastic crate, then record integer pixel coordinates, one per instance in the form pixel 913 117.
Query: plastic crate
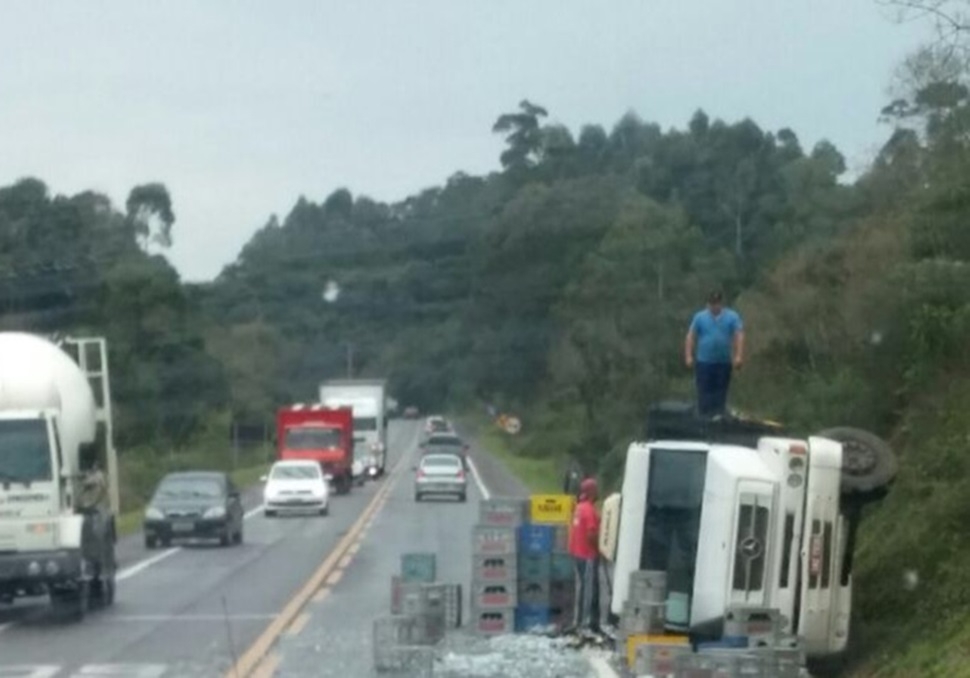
pixel 488 540
pixel 418 567
pixel 493 622
pixel 556 509
pixel 501 567
pixel 494 595
pixel 454 603
pixel 530 618
pixel 648 586
pixel 632 643
pixel 761 625
pixel 396 594
pixel 562 593
pixel 422 599
pixel 534 592
pixel 658 660
pixel 503 511
pixel 560 543
pixel 534 566
pixel 562 567
pixel 413 661
pixel 537 539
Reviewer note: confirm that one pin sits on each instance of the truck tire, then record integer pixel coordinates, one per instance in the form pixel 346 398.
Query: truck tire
pixel 150 543
pixel 71 604
pixel 868 463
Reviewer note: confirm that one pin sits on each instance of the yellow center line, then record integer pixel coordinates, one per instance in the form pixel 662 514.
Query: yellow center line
pixel 267 667
pixel 249 660
pixel 298 624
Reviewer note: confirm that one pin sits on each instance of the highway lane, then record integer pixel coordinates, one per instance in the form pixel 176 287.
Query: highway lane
pixel 334 638
pixel 192 611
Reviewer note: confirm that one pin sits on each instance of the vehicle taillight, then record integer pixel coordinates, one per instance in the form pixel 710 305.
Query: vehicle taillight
pixel 461 474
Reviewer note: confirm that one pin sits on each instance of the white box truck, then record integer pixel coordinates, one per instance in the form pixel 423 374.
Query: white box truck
pixel 368 399
pixel 740 513
pixel 57 504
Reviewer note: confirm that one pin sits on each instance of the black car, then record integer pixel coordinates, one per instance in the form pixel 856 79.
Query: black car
pixel 194 505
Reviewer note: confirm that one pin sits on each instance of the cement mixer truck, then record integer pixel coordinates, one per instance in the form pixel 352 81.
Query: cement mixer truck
pixel 58 473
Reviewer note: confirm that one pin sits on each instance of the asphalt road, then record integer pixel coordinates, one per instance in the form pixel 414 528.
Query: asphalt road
pixel 192 611
pixel 334 638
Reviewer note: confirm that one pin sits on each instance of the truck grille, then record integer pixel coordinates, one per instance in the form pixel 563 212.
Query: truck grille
pixel 752 544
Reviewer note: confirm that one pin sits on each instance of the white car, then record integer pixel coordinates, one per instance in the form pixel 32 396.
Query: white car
pixel 296 486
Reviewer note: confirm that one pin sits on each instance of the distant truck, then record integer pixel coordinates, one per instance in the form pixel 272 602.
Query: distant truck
pixel 322 434
pixel 368 399
pixel 57 503
pixel 739 512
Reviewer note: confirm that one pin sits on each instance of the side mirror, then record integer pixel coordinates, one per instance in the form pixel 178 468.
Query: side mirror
pixel 263 479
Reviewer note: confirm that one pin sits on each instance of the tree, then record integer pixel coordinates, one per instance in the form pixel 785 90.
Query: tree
pixel 523 135
pixel 149 210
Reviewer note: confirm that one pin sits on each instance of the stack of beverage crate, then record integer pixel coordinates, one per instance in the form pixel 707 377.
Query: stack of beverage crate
pixel 494 565
pixel 546 580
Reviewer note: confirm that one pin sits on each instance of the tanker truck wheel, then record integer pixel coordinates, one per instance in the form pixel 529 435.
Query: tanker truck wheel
pixel 868 463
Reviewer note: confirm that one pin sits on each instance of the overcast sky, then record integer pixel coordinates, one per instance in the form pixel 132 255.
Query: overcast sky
pixel 241 106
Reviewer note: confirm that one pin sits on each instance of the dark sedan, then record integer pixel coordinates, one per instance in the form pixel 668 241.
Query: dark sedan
pixel 194 505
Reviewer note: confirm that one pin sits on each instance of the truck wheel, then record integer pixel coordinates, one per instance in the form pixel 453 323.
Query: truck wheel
pixel 226 537
pixel 868 463
pixel 269 513
pixel 71 604
pixel 150 542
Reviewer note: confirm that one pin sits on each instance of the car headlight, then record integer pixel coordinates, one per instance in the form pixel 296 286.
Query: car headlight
pixel 215 512
pixel 152 513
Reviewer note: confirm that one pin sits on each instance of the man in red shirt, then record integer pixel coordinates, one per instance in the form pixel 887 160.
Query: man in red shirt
pixel 583 547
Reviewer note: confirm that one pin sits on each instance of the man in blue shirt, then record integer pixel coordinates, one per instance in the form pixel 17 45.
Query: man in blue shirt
pixel 714 346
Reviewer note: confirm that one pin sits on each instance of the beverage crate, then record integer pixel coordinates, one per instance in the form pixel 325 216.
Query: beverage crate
pixel 501 567
pixel 493 622
pixel 562 567
pixel 408 630
pixel 537 539
pixel 640 619
pixel 503 511
pixel 633 642
pixel 396 584
pixel 658 660
pixel 494 595
pixel 413 661
pixel 727 663
pixel 555 509
pixel 560 615
pixel 418 567
pixel 454 603
pixel 560 542
pixel 421 599
pixel 493 541
pixel 762 625
pixel 562 593
pixel 532 618
pixel 534 566
pixel 534 592
pixel 648 586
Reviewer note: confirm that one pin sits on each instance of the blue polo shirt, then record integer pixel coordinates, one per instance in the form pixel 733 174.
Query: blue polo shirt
pixel 715 335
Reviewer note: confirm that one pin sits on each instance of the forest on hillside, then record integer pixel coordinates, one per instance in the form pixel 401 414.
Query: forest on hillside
pixel 560 287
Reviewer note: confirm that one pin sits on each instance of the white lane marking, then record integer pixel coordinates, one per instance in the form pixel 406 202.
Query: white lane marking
pixel 143 565
pixel 478 480
pixel 121 671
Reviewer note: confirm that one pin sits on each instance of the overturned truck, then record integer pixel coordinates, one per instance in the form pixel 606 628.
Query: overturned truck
pixel 742 512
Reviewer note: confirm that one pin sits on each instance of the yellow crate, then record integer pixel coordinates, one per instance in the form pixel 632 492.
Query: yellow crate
pixel 638 639
pixel 554 509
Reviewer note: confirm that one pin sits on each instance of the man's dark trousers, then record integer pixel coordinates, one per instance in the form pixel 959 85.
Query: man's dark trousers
pixel 713 380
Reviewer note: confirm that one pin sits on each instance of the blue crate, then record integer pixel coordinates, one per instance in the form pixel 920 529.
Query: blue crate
pixel 562 567
pixel 534 566
pixel 418 567
pixel 537 538
pixel 534 592
pixel 531 617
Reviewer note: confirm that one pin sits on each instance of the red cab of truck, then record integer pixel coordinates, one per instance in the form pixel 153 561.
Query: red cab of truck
pixel 320 433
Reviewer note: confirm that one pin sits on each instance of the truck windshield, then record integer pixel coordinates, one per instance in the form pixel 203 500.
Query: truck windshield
pixel 307 438
pixel 671 529
pixel 24 451
pixel 365 424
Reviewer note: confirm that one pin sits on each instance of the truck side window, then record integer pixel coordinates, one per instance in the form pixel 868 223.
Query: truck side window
pixel 57 446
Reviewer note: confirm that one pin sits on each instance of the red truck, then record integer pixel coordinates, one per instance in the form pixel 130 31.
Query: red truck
pixel 320 433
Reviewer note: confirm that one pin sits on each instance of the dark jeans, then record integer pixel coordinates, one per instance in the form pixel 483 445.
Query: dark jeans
pixel 587 611
pixel 713 380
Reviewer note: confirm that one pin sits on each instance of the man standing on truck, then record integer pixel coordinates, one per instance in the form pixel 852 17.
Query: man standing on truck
pixel 584 548
pixel 713 348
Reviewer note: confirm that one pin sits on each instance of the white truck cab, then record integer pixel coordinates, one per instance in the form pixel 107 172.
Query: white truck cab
pixel 760 520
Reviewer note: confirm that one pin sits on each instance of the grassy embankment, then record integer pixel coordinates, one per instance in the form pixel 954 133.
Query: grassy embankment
pixel 540 474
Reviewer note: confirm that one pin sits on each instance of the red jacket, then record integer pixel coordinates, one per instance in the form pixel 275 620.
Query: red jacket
pixel 584 535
